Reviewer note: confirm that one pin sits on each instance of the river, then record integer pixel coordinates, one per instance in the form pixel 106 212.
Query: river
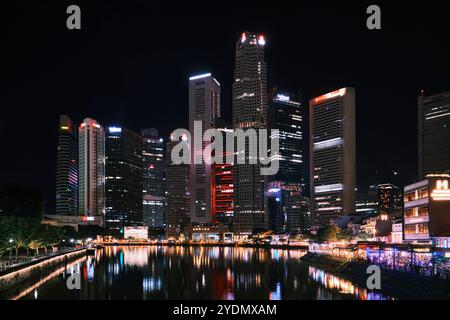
pixel 176 272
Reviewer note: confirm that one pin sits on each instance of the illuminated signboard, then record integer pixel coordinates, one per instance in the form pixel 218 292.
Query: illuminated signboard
pixel 441 191
pixel 330 95
pixel 136 233
pixel 115 129
pixel 282 97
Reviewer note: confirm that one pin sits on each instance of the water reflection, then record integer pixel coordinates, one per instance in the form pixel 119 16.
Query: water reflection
pixel 343 286
pixel 161 272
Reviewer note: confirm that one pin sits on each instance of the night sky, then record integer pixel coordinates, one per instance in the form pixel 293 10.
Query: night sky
pixel 129 65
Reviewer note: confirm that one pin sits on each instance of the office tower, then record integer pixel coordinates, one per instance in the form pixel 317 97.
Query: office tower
pixel 285 114
pixel 434 134
pixel 91 170
pixel 276 217
pixel 153 178
pixel 204 107
pixel 177 194
pixel 249 112
pixel 123 180
pixel 298 214
pixel 67 168
pixel 367 204
pixel 332 155
pixel 222 195
pixel 389 197
pixel 426 208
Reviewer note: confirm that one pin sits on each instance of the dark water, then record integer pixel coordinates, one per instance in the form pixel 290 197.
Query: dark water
pixel 152 272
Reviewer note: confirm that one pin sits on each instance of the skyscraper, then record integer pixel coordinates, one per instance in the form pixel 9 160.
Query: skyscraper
pixel 123 180
pixel 153 178
pixel 389 197
pixel 434 134
pixel 332 155
pixel 298 215
pixel 91 170
pixel 222 199
pixel 285 114
pixel 204 107
pixel 249 102
pixel 177 194
pixel 67 168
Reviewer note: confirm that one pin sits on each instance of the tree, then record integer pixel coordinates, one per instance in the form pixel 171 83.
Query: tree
pixel 328 234
pixel 345 234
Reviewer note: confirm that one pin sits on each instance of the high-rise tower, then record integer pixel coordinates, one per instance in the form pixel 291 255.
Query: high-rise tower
pixel 67 168
pixel 154 181
pixel 249 111
pixel 434 134
pixel 91 170
pixel 332 155
pixel 123 180
pixel 204 108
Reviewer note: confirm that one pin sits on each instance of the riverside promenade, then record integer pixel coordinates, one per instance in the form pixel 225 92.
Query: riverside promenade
pixel 33 267
pixel 398 284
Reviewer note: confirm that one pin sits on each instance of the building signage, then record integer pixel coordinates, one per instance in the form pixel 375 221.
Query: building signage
pixel 441 191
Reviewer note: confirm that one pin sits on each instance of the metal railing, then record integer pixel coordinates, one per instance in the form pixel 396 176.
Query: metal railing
pixel 12 263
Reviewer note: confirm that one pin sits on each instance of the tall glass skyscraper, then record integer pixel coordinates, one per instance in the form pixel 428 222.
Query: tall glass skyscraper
pixel 332 155
pixel 177 194
pixel 67 168
pixel 249 102
pixel 153 178
pixel 286 114
pixel 204 107
pixel 434 134
pixel 123 180
pixel 91 170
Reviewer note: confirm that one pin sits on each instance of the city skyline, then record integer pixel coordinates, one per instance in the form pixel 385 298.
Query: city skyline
pixel 310 72
pixel 264 153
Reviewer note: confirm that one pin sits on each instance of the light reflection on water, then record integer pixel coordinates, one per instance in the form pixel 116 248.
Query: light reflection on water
pixel 343 286
pixel 175 272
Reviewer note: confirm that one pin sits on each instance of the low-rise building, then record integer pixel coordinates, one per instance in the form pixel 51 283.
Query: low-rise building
pixel 427 211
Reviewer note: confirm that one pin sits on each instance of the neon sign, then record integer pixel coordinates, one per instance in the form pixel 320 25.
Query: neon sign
pixel 441 192
pixel 330 95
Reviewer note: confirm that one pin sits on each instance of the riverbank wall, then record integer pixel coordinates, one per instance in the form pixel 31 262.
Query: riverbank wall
pixel 225 245
pixel 396 284
pixel 37 268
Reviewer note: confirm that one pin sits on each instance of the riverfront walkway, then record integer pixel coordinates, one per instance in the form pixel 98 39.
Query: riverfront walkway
pixel 13 264
pixel 399 284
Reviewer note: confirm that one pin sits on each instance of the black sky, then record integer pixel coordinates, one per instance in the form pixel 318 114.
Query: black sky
pixel 130 63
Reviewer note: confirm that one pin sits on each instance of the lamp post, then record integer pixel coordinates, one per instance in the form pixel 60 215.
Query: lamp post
pixel 10 250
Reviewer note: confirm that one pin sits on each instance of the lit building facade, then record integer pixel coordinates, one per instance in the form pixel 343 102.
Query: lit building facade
pixel 367 205
pixel 153 212
pixel 276 214
pixel 426 211
pixel 222 186
pixel 153 178
pixel 390 197
pixel 298 213
pixel 434 134
pixel 332 155
pixel 249 104
pixel 91 170
pixel 123 180
pixel 204 107
pixel 285 114
pixel 67 168
pixel 177 195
